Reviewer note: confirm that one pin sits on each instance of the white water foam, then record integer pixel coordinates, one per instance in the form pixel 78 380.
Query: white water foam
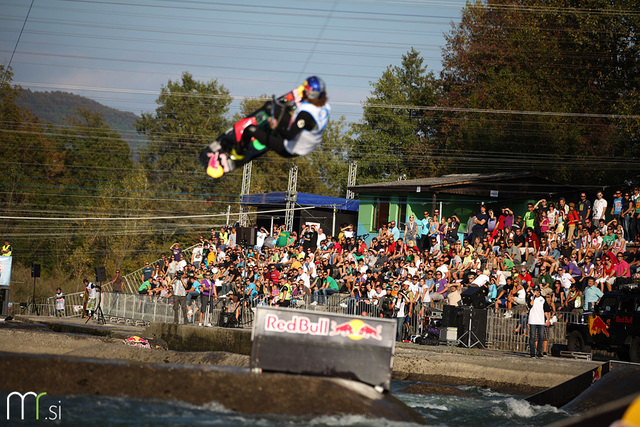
pixel 519 408
pixel 355 421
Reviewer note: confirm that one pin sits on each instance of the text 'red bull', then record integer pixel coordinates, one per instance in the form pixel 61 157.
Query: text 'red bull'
pixel 297 325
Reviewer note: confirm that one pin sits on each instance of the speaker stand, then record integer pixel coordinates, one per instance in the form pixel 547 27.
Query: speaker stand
pixel 470 334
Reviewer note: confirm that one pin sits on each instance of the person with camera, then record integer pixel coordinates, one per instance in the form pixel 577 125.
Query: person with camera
pixel 179 298
pixel 193 290
pixel 208 295
pixel 403 308
pixel 387 303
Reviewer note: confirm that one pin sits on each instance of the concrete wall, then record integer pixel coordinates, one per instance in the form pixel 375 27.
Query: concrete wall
pixel 189 338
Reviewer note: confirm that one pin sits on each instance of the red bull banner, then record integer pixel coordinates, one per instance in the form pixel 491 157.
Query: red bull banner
pixel 326 344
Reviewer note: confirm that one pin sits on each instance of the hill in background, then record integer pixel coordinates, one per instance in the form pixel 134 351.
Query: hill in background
pixel 53 107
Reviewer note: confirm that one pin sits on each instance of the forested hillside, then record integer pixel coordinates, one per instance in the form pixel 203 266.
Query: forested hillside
pixel 53 107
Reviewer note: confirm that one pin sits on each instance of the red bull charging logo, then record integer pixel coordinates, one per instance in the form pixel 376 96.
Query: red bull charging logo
pixel 356 329
pixel 597 325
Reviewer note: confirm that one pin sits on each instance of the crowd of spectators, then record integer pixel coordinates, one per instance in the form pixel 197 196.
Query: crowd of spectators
pixel 558 247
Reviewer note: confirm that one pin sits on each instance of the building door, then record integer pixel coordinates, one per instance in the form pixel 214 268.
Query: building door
pixel 382 214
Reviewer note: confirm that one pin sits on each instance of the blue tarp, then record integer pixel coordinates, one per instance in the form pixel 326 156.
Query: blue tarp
pixel 304 199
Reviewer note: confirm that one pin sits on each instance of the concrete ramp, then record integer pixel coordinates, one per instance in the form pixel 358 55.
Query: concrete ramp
pixel 237 389
pixel 620 382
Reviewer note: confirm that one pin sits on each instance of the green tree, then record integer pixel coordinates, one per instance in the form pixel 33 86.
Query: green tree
pixel 29 156
pixel 189 115
pixel 535 85
pixel 95 155
pixel 394 135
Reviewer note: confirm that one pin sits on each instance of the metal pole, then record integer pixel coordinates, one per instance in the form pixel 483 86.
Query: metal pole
pixel 33 300
pixel 333 227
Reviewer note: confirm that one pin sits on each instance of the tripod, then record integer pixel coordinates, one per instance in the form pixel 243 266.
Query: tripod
pixel 98 311
pixel 470 334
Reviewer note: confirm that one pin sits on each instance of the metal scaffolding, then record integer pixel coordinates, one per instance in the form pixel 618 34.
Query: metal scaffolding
pixel 351 180
pixel 291 198
pixel 246 187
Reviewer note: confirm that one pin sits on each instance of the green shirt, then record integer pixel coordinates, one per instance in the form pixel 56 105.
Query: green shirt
pixel 608 240
pixel 529 219
pixel 332 283
pixel 508 264
pixel 145 285
pixel 544 280
pixel 283 238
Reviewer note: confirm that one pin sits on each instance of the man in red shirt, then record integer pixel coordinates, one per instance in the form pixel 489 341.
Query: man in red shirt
pixel 525 277
pixel 532 242
pixel 273 274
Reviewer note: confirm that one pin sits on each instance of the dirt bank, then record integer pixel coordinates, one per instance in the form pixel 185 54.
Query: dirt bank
pixel 42 341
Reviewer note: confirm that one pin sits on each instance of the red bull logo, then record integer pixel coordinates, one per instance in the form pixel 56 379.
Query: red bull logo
pixel 597 325
pixel 297 325
pixel 356 329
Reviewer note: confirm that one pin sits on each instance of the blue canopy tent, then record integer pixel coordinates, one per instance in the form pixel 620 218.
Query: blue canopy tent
pixel 327 211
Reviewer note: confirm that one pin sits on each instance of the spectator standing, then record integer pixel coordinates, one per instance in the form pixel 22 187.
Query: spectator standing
pixel 599 208
pixel 584 207
pixel 196 255
pixel 538 319
pixel 179 299
pixel 117 284
pixel 207 296
pixel 320 236
pixel 6 249
pixel 635 215
pixel 147 272
pixel 616 206
pixel 424 231
pixel 572 221
pixel 403 307
pixel 627 212
pixel 232 238
pixel 90 296
pixel 260 236
pixel 59 303
pixel 529 217
pixel 410 231
pixel 176 251
pixel 592 294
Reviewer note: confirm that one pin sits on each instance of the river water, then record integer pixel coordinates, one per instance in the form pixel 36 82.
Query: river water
pixel 483 408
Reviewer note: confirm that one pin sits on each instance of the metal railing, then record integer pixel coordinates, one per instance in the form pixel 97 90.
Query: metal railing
pixel 502 333
pixel 144 309
pixel 74 301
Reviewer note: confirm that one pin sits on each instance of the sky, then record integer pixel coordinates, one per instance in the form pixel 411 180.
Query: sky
pixel 121 53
